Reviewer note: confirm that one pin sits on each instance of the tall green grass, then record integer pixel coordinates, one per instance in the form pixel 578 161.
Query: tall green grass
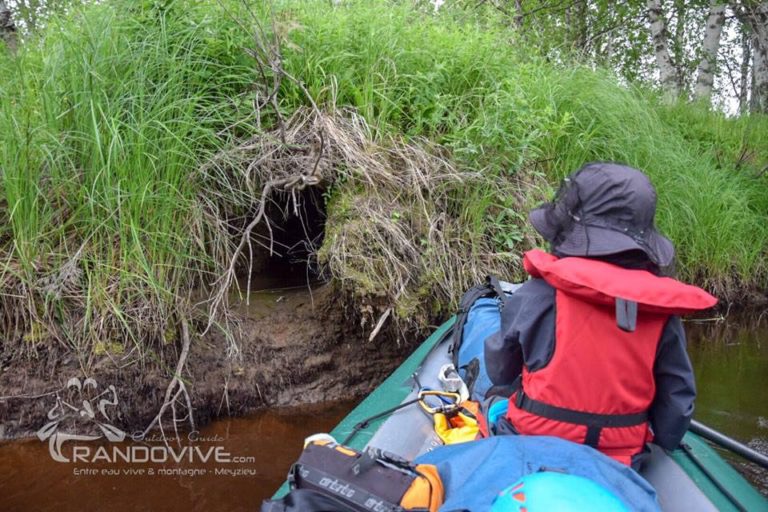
pixel 104 121
pixel 106 117
pixel 468 84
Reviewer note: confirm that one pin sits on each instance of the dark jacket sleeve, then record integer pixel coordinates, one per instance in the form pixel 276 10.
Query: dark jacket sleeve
pixel 672 407
pixel 529 320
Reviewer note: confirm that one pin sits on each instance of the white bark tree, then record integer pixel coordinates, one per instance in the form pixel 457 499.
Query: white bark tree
pixel 7 27
pixel 760 75
pixel 670 81
pixel 754 16
pixel 709 50
pixel 744 72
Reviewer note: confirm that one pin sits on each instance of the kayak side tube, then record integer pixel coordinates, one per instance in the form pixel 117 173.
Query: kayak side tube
pixel 389 393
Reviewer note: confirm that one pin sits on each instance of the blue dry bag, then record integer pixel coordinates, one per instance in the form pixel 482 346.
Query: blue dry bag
pixel 479 317
pixel 475 473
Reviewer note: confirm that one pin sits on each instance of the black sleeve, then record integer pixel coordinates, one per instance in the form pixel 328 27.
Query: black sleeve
pixel 672 407
pixel 503 358
pixel 529 318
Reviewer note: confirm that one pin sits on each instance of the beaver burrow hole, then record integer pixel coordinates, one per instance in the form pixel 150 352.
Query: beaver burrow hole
pixel 298 341
pixel 286 242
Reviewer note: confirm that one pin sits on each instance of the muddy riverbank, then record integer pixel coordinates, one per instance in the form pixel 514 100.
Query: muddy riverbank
pixel 296 345
pixel 730 360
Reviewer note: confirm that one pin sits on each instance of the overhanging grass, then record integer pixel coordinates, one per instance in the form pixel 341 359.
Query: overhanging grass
pixel 108 116
pixel 103 123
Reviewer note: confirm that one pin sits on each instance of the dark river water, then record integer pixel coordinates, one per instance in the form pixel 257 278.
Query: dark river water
pixel 266 443
pixel 254 453
pixel 730 360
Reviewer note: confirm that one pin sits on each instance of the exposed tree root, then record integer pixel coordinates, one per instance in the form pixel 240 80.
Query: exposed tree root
pixel 400 235
pixel 176 390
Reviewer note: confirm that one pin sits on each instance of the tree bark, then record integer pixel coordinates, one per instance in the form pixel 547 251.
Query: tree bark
pixel 670 82
pixel 581 25
pixel 754 15
pixel 519 14
pixel 7 27
pixel 709 49
pixel 760 76
pixel 744 81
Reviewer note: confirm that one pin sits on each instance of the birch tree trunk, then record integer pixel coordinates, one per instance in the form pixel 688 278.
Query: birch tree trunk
pixel 7 28
pixel 744 81
pixel 670 83
pixel 760 55
pixel 709 49
pixel 754 15
pixel 760 75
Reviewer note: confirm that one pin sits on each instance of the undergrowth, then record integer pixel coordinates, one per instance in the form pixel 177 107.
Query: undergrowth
pixel 126 129
pixel 104 121
pixel 468 85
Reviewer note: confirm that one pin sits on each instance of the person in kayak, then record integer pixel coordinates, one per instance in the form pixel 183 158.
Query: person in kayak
pixel 592 346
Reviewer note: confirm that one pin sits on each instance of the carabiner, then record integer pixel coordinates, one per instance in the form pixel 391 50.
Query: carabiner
pixel 444 408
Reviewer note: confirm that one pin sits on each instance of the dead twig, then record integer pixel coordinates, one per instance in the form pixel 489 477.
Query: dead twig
pixel 379 325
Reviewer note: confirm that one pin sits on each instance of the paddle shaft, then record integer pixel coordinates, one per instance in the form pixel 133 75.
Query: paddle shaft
pixel 729 443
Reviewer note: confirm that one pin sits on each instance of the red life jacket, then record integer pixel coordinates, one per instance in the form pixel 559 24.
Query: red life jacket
pixel 598 385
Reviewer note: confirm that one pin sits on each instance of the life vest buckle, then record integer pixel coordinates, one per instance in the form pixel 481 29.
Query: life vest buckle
pixel 626 314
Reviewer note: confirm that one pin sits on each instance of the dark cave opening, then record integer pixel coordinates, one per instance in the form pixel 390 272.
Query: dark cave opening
pixel 287 247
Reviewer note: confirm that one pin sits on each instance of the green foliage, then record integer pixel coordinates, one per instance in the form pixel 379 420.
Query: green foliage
pixel 108 113
pixel 505 111
pixel 111 111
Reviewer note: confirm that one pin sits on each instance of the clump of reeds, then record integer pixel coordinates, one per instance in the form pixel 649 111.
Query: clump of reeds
pixel 104 120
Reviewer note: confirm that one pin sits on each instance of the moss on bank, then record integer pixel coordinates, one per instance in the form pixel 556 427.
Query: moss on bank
pixel 109 230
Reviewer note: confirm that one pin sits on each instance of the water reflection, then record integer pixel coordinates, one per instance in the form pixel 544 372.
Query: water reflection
pixel 730 361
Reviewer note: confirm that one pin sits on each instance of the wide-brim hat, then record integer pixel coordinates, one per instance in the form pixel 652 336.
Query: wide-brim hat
pixel 604 209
